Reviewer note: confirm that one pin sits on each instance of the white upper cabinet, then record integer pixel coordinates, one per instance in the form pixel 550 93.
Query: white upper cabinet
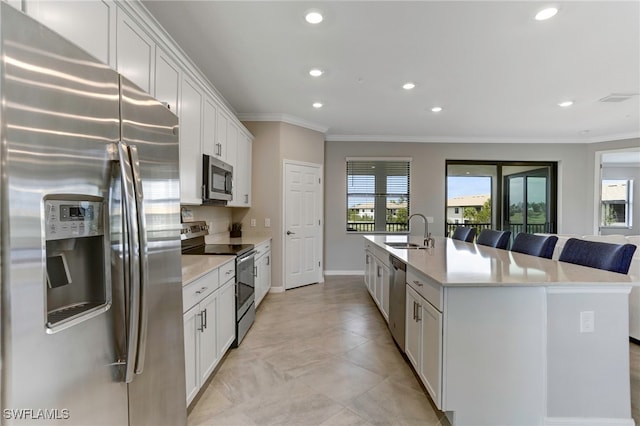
pixel 221 135
pixel 135 54
pixel 190 142
pixel 167 81
pixel 209 144
pixel 242 172
pixel 232 138
pixel 89 24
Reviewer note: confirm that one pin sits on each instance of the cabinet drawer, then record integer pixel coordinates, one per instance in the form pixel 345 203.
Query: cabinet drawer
pixel 426 287
pixel 227 271
pixel 263 248
pixel 197 290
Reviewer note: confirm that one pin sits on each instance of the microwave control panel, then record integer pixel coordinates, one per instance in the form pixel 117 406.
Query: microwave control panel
pixel 73 218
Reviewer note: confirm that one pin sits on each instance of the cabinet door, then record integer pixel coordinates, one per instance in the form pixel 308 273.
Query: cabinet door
pixel 226 316
pixel 232 144
pixel 209 354
pixel 89 24
pixel 209 144
pixel 192 325
pixel 413 329
pixel 431 354
pixel 135 52
pixel 371 273
pixel 242 172
pixel 378 283
pixel 190 140
pixel 221 135
pixel 262 278
pixel 384 291
pixel 167 81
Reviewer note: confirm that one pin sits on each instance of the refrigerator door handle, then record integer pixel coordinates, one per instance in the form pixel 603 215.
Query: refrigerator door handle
pixel 143 259
pixel 133 270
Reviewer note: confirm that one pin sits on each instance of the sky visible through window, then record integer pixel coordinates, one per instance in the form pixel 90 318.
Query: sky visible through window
pixel 459 186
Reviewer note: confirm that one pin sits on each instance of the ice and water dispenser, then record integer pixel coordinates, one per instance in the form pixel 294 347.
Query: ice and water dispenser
pixel 77 272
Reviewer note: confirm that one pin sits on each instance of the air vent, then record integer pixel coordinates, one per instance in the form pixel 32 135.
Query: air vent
pixel 618 97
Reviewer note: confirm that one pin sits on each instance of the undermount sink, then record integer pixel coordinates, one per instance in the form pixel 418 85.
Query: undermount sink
pixel 400 245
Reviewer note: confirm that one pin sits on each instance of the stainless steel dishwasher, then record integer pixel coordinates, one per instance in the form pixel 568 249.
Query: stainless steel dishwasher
pixel 397 300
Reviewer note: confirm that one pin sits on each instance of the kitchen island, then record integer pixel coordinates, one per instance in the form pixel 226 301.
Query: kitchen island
pixel 502 338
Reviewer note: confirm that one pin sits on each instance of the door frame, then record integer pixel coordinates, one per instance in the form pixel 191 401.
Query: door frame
pixel 320 168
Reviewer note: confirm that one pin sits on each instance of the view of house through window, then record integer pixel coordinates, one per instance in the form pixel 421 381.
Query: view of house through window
pixel 514 196
pixel 378 195
pixel 616 203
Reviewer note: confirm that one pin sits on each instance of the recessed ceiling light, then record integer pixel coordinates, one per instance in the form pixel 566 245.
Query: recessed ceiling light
pixel 316 72
pixel 408 86
pixel 547 13
pixel 317 105
pixel 436 109
pixel 313 17
pixel 565 104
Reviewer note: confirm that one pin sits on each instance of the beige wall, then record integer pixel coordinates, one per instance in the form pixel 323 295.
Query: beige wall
pixel 343 252
pixel 273 143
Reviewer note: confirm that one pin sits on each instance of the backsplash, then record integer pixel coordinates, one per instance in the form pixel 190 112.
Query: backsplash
pixel 218 219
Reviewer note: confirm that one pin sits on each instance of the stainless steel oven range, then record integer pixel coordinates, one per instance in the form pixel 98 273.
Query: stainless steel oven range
pixel 193 242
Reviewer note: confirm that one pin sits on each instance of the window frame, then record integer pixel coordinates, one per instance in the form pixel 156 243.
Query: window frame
pixel 376 194
pixel 628 205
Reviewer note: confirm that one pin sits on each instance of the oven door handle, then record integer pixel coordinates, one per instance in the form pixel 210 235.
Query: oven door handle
pixel 245 257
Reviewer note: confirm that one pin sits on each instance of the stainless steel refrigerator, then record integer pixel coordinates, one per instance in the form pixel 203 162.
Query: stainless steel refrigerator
pixel 91 313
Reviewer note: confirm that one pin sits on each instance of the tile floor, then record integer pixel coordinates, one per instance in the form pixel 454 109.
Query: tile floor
pixel 322 355
pixel 316 355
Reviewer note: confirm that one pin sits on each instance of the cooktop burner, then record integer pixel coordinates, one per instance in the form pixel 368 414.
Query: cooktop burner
pixel 230 249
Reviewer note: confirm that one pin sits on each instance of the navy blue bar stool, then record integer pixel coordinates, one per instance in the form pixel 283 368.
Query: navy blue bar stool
pixel 535 245
pixel 596 254
pixel 464 233
pixel 491 238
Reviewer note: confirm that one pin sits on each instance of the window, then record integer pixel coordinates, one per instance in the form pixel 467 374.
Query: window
pixel 505 195
pixel 616 203
pixel 378 195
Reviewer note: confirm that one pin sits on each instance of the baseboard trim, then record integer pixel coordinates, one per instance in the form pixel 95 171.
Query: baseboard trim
pixel 581 421
pixel 276 290
pixel 329 273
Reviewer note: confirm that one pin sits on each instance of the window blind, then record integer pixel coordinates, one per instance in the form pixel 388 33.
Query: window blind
pixel 378 196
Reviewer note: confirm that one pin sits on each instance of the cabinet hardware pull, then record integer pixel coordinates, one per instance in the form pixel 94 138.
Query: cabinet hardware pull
pixel 204 325
pixel 379 271
pixel 201 315
pixel 268 260
pixel 418 283
pixel 418 316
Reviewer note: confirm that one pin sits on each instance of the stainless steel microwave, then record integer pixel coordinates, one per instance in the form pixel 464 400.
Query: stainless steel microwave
pixel 217 181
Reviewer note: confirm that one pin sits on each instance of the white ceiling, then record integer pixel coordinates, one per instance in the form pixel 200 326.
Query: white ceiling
pixel 497 73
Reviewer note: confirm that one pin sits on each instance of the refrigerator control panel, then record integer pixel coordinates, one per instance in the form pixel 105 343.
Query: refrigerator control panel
pixel 73 218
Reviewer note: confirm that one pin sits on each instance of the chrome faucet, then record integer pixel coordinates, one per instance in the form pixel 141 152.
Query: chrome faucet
pixel 428 240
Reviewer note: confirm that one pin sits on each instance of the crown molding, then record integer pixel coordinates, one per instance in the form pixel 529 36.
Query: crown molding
pixel 500 139
pixel 285 118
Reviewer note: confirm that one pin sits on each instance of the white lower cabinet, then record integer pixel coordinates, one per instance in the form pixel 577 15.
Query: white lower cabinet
pixel 263 271
pixel 191 346
pixel 376 277
pixel 423 344
pixel 209 327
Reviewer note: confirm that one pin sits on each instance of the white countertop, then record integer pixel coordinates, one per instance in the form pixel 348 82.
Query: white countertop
pixel 194 266
pixel 456 263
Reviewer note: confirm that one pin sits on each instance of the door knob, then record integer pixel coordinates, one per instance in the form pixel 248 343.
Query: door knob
pixel 290 233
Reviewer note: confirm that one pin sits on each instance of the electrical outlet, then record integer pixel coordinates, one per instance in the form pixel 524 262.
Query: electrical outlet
pixel 253 223
pixel 267 222
pixel 587 321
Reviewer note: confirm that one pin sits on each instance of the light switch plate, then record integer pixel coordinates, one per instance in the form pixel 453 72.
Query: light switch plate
pixel 267 222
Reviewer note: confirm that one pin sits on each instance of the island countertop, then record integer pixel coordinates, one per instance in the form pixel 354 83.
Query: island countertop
pixel 457 263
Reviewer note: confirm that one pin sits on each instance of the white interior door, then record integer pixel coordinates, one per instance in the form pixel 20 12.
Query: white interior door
pixel 302 224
